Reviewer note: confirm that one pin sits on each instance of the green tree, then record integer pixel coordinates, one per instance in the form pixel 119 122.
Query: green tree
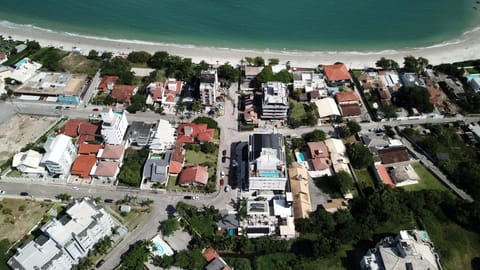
pixel 163 261
pixel 344 132
pixel 259 61
pixel 360 156
pixel 316 135
pixel 414 97
pixel 63 197
pixel 385 63
pixel 192 259
pixel 106 55
pixel 344 182
pixel 84 264
pixel 228 73
pixel 284 76
pixel 354 127
pixel 273 61
pixel 208 147
pixel 92 54
pixel 169 226
pixel 33 46
pixel 136 256
pixel 197 106
pixel 416 65
pixel 206 120
pixel 120 67
pixel 159 60
pixel 103 245
pixel 139 57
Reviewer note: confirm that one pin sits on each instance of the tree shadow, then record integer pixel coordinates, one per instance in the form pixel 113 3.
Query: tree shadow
pixel 475 263
pixel 354 256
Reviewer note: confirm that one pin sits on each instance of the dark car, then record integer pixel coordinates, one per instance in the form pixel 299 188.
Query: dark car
pixel 108 200
pixel 24 193
pixel 187 197
pixel 224 152
pixel 223 159
pixel 95 109
pixel 222 182
pixel 100 263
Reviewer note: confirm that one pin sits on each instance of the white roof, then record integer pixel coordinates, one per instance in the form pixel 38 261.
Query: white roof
pixel 289 229
pixel 25 71
pixel 30 158
pixel 278 68
pixel 55 146
pixel 281 208
pixel 327 107
pixel 34 256
pixel 164 135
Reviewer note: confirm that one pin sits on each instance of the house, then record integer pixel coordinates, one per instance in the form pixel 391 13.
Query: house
pixel 106 170
pixel 275 101
pixel 125 208
pixel 350 110
pixel 252 72
pixel 319 158
pixel 24 70
pixel 393 154
pixel 20 48
pixel 382 174
pixel 208 87
pixel 302 206
pixel 122 93
pixel 114 126
pixel 338 155
pixel 107 83
pixel 28 163
pixel 3 58
pixel 155 93
pixel 267 162
pixel 163 136
pixel 337 74
pixel 89 149
pixel 82 166
pixel 347 97
pixel 404 175
pixel 59 154
pixel 177 160
pixel 191 133
pixel 76 127
pixel 65 241
pixel 334 205
pixel 111 152
pixel 194 175
pixel 327 109
pixel 156 168
pixel 171 94
pixel 214 261
pixel 309 81
pixel 250 116
pixel 408 250
pixel 140 133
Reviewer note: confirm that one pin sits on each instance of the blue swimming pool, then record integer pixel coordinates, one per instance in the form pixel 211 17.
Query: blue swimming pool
pixel 471 76
pixel 21 62
pixel 270 174
pixel 159 249
pixel 424 235
pixel 300 156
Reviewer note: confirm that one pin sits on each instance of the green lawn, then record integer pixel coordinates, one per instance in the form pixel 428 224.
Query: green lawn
pixel 365 178
pixel 357 73
pixel 427 180
pixel 298 111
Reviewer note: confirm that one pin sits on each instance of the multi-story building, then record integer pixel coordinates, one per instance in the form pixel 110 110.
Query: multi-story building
pixel 114 126
pixel 66 240
pixel 267 166
pixel 59 154
pixel 409 250
pixel 275 101
pixel 208 86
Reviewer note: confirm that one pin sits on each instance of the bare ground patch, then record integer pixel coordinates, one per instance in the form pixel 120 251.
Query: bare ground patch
pixel 21 130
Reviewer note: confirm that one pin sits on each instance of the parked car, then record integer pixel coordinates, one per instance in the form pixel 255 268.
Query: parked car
pixel 2 191
pixel 223 159
pixel 24 193
pixel 224 152
pixel 191 197
pixel 100 263
pixel 108 201
pixel 95 109
pixel 222 182
pixel 222 174
pixel 227 188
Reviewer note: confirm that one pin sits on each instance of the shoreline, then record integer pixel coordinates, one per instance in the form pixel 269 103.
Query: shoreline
pixel 466 47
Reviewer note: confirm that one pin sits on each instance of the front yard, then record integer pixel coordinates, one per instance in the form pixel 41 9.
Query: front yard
pixel 427 180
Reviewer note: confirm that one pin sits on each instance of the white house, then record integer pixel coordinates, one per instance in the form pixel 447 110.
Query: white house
pixel 114 126
pixel 164 137
pixel 66 240
pixel 60 154
pixel 29 163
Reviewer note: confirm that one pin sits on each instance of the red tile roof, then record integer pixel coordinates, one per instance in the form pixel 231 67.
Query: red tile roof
pixel 346 96
pixel 112 152
pixel 185 139
pixel 122 93
pixel 318 149
pixel 3 56
pixel 89 149
pixel 200 132
pixel 210 254
pixel 393 154
pixel 177 159
pixel 384 176
pixel 83 165
pixel 171 92
pixel 106 169
pixel 337 72
pixel 350 110
pixel 156 91
pixel 75 127
pixel 320 164
pixel 85 138
pixel 105 80
pixel 194 175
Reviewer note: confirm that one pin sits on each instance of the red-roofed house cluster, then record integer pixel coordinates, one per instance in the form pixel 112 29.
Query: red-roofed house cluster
pixel 192 133
pixel 165 94
pixel 122 93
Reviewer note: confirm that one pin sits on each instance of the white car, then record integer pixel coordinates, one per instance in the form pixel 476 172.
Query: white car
pixel 2 191
pixel 222 174
pixel 75 188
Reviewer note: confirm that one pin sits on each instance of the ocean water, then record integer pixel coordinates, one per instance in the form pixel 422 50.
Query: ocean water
pixel 311 25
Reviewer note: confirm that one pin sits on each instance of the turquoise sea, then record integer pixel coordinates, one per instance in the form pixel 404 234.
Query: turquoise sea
pixel 311 25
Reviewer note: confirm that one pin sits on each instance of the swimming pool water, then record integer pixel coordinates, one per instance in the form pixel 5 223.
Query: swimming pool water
pixel 300 156
pixel 270 174
pixel 159 248
pixel 471 76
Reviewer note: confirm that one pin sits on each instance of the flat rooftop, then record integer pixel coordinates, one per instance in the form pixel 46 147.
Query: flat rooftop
pixel 53 84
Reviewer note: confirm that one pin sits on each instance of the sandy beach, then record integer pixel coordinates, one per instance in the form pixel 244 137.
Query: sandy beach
pixel 466 47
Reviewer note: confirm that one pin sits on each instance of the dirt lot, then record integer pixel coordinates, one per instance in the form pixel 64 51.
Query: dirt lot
pixel 19 131
pixel 18 217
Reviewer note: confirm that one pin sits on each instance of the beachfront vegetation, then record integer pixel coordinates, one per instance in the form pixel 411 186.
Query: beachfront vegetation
pixel 415 65
pixel 228 73
pixel 267 75
pixel 302 114
pixel 414 97
pixel 385 63
pixel 120 67
pixel 139 57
